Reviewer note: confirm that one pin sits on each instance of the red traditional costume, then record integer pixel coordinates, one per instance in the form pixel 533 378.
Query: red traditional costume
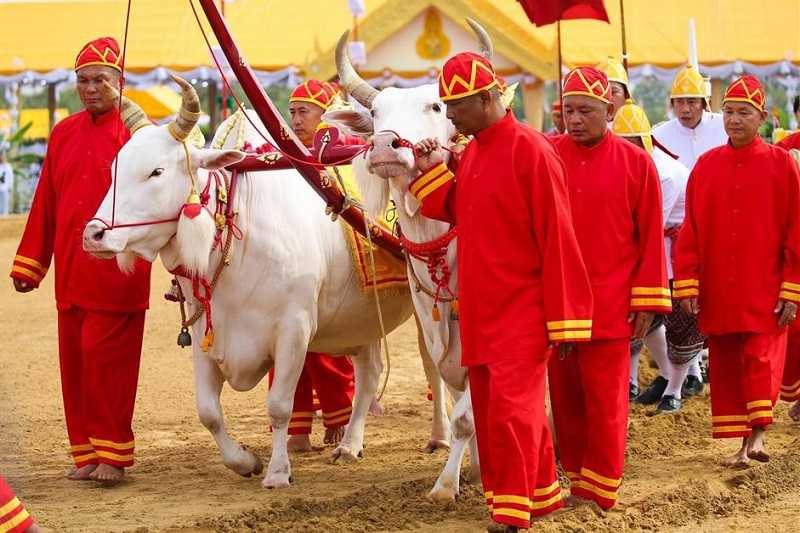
pixel 522 286
pixel 100 310
pixel 326 382
pixel 13 516
pixel 739 253
pixel 616 208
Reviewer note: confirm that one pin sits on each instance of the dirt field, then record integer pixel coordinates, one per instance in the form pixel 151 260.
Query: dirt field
pixel 672 483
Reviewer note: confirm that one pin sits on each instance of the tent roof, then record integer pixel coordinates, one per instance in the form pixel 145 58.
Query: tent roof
pixel 274 34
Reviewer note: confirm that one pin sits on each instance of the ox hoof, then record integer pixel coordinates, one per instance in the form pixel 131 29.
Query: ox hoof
pixel 443 494
pixel 345 456
pixel 434 445
pixel 277 481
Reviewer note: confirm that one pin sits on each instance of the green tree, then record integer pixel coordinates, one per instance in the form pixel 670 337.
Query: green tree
pixel 20 161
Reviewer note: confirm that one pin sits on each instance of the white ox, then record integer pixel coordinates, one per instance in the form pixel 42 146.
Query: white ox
pixel 414 114
pixel 290 286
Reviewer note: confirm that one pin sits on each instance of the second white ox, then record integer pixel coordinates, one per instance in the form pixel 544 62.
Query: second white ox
pixel 290 286
pixel 414 114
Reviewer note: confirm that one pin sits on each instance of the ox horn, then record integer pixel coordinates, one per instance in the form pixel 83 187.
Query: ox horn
pixel 132 115
pixel 484 41
pixel 189 113
pixel 363 92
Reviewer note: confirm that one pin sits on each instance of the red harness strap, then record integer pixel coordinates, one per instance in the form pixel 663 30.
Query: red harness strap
pixel 434 254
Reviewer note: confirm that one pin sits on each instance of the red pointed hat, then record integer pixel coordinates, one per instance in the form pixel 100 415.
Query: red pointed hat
pixel 746 89
pixel 466 74
pixel 587 81
pixel 315 92
pixel 102 51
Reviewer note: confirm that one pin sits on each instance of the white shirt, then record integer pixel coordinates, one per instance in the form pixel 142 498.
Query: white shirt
pixel 689 144
pixel 673 176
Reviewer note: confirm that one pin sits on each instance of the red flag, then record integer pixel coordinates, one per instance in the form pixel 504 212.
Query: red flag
pixel 542 12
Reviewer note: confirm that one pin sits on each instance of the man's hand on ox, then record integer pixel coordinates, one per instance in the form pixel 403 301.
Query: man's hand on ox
pixel 428 153
pixel 641 323
pixel 691 306
pixel 22 286
pixel 787 312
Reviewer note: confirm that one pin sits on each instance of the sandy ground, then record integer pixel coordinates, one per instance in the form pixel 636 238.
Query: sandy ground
pixel 672 481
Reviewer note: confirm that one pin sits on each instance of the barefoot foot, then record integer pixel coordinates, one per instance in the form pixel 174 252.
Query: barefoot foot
pixel 738 459
pixel 107 475
pixel 333 435
pixel 755 445
pixel 299 443
pixel 794 412
pixel 81 474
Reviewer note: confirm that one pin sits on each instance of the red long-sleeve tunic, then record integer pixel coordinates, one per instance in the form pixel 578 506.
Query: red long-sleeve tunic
pixel 522 282
pixel 616 206
pixel 739 247
pixel 75 177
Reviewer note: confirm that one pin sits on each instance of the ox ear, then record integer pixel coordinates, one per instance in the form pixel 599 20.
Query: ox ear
pixel 353 122
pixel 211 159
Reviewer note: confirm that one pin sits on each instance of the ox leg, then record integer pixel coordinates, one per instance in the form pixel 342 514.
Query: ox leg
pixel 289 360
pixel 208 385
pixel 447 486
pixel 440 427
pixel 368 367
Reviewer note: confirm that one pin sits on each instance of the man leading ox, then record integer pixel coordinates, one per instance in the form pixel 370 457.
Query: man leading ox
pixel 522 282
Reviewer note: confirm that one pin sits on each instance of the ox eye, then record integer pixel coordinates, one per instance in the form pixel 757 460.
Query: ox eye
pixel 156 172
pixel 437 108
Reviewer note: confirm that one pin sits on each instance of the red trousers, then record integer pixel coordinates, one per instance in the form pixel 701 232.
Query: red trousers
pixel 746 371
pixel 13 516
pixel 518 468
pixel 330 381
pixel 589 397
pixel 790 388
pixel 99 354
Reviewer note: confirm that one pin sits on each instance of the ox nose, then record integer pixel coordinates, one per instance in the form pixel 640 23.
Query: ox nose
pixel 93 234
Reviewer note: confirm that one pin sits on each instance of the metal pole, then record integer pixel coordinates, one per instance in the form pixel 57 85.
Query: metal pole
pixel 560 68
pixel 624 40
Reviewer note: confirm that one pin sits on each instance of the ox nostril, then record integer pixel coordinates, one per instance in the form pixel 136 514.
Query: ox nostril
pixel 396 144
pixel 98 235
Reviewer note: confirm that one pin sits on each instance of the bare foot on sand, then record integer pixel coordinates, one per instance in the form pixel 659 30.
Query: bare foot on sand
pixel 81 474
pixel 34 528
pixel 794 412
pixel 333 435
pixel 107 475
pixel 739 459
pixel 299 443
pixel 755 445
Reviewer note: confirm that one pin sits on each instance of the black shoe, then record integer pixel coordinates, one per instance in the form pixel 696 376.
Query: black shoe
pixel 692 387
pixel 633 391
pixel 654 392
pixel 669 404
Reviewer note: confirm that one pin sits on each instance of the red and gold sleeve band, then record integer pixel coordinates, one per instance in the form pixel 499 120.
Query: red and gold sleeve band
pixel 790 292
pixel 430 181
pixel 685 288
pixel 28 269
pixel 569 330
pixel 656 299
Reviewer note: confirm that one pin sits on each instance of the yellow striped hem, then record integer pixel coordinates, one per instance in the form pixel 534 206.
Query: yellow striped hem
pixel 759 403
pixel 729 418
pixel 24 271
pixel 14 522
pixel 570 335
pixel 650 291
pixel 343 418
pixel 515 513
pixel 569 324
pixel 546 503
pixel 790 286
pixel 791 296
pixel 31 262
pixel 10 506
pixel 729 429
pixel 546 490
pixel 684 283
pixel 112 444
pixel 424 193
pixel 597 490
pixel 489 494
pixel 301 424
pixel 346 410
pixel 426 178
pixel 302 414
pixel 81 448
pixel 684 293
pixel 114 456
pixel 649 302
pixel 760 414
pixel 573 475
pixel 791 387
pixel 585 472
pixel 518 500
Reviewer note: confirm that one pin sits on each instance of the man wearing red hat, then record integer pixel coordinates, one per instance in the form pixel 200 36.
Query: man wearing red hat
pixel 100 310
pixel 522 282
pixel 738 268
pixel 616 207
pixel 557 118
pixel 326 382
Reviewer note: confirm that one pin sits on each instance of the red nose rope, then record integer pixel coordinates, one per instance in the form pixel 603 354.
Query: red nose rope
pixel 434 254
